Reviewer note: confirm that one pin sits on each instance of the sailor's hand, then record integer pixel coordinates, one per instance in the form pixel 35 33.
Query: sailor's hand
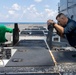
pixel 50 22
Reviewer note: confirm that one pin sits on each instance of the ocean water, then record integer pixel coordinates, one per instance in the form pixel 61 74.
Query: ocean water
pixel 23 25
pixel 11 23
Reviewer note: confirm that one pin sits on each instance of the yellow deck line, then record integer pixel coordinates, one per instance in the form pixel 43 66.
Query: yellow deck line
pixel 53 57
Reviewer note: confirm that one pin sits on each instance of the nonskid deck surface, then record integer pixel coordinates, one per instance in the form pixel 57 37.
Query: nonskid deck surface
pixel 36 56
pixel 33 55
pixel 65 56
pixel 29 53
pixel 31 43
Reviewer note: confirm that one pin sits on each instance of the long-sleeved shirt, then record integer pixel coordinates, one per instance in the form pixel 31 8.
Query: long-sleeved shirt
pixel 3 30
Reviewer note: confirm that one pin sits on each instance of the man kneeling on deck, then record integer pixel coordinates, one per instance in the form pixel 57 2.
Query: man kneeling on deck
pixel 65 27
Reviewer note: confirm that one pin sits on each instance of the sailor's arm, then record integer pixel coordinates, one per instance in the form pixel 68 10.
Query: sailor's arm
pixel 10 30
pixel 59 29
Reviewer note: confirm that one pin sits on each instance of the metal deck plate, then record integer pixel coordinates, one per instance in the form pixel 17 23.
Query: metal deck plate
pixel 31 57
pixel 65 56
pixel 31 43
pixel 60 44
pixel 32 33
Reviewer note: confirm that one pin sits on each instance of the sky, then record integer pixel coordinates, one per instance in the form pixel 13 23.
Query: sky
pixel 28 10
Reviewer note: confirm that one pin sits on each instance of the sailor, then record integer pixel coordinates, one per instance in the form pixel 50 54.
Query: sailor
pixel 65 27
pixel 3 30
